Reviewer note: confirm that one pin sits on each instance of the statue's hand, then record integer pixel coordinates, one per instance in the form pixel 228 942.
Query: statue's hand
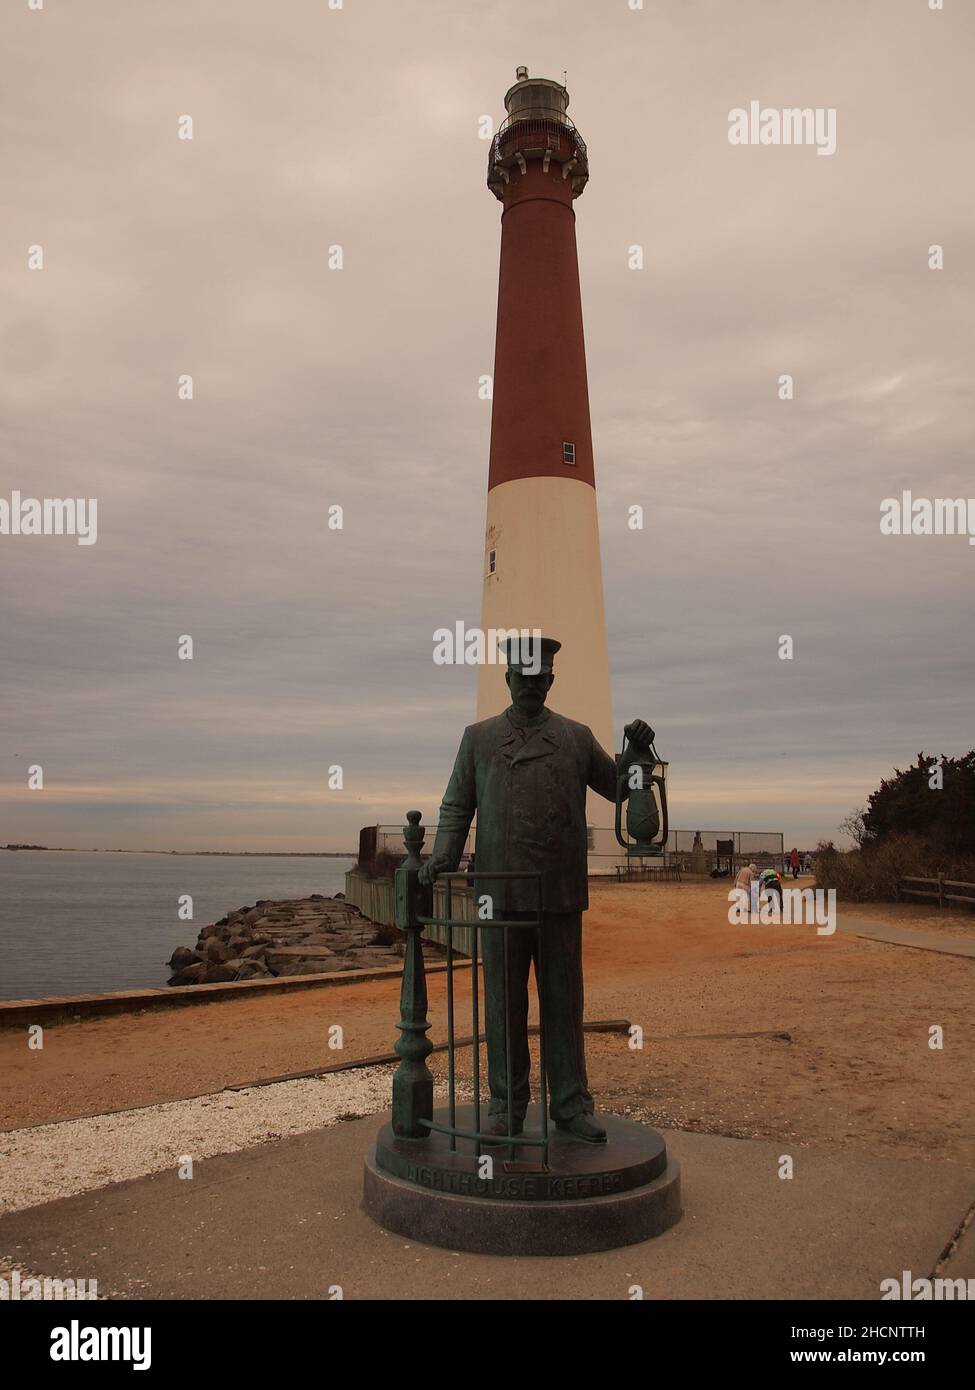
pixel 640 735
pixel 436 864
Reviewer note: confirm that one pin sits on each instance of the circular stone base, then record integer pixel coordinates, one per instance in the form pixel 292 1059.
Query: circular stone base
pixel 587 1197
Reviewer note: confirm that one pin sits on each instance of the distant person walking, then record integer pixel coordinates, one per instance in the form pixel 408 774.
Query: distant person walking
pixel 795 863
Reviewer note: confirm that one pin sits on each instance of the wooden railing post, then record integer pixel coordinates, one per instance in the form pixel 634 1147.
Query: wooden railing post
pixel 412 1080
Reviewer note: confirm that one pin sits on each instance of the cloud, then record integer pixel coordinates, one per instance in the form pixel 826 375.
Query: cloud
pixel 313 387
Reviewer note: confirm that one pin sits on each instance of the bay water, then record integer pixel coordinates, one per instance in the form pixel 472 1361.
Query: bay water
pixel 78 923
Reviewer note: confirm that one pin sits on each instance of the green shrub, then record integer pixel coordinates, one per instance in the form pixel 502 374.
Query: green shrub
pixel 943 815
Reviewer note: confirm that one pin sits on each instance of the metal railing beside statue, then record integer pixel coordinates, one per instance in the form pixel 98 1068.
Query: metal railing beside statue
pixel 413 1080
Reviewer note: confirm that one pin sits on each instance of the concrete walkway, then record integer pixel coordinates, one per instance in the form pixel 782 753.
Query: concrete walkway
pixel 909 936
pixel 283 1220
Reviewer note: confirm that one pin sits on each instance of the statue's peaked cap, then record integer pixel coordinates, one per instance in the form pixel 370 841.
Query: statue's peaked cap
pixel 531 655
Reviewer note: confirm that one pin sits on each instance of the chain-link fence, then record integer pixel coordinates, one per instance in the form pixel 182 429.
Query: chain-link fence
pixel 691 851
pixel 702 851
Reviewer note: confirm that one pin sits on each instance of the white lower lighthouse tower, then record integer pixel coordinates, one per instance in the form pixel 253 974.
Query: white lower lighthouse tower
pixel 542 566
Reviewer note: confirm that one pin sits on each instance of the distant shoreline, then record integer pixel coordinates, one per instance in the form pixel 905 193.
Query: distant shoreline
pixel 201 853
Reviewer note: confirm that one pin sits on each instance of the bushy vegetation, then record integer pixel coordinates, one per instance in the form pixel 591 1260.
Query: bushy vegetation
pixel 918 823
pixel 872 873
pixel 934 799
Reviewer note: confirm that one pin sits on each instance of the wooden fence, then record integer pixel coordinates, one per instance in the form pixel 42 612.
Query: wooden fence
pixel 938 889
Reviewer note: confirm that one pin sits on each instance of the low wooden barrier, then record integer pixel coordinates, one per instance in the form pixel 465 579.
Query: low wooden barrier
pixel 938 889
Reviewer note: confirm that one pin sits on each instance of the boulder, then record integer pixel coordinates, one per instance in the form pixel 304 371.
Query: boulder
pixel 183 956
pixel 372 960
pixel 251 969
pixel 190 974
pixel 253 953
pixel 238 944
pixel 218 951
pixel 283 955
pixel 213 933
pixel 221 974
pixel 308 967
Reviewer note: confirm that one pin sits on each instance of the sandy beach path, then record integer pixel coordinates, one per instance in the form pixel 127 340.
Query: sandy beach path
pixel 856 1071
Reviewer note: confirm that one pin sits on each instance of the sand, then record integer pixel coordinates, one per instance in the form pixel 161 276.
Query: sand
pixel 856 1073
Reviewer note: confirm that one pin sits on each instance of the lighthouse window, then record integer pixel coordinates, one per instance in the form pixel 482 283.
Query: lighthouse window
pixel 492 561
pixel 568 453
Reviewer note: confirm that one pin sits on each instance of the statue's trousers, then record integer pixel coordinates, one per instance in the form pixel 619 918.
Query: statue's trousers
pixel 561 993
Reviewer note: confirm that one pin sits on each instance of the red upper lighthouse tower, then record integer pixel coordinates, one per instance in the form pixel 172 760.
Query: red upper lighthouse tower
pixel 542 565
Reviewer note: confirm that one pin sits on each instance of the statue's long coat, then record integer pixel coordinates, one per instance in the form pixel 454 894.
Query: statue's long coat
pixel 530 799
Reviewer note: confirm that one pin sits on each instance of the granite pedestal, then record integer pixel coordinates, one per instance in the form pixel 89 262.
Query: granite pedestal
pixel 581 1198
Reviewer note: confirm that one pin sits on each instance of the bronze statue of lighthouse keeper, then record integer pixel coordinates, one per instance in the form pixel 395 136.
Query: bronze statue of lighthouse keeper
pixel 525 774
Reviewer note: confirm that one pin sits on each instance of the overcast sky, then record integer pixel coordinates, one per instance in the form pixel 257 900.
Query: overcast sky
pixel 313 387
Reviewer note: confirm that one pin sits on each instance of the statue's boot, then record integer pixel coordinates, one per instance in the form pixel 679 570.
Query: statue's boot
pixel 582 1127
pixel 497 1127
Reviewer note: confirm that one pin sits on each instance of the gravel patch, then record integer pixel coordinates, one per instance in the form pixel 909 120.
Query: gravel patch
pixel 45 1162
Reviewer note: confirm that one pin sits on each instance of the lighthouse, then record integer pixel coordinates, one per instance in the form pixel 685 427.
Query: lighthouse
pixel 542 567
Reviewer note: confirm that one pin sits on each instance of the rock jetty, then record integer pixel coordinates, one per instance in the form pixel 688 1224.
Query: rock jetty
pixel 298 936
